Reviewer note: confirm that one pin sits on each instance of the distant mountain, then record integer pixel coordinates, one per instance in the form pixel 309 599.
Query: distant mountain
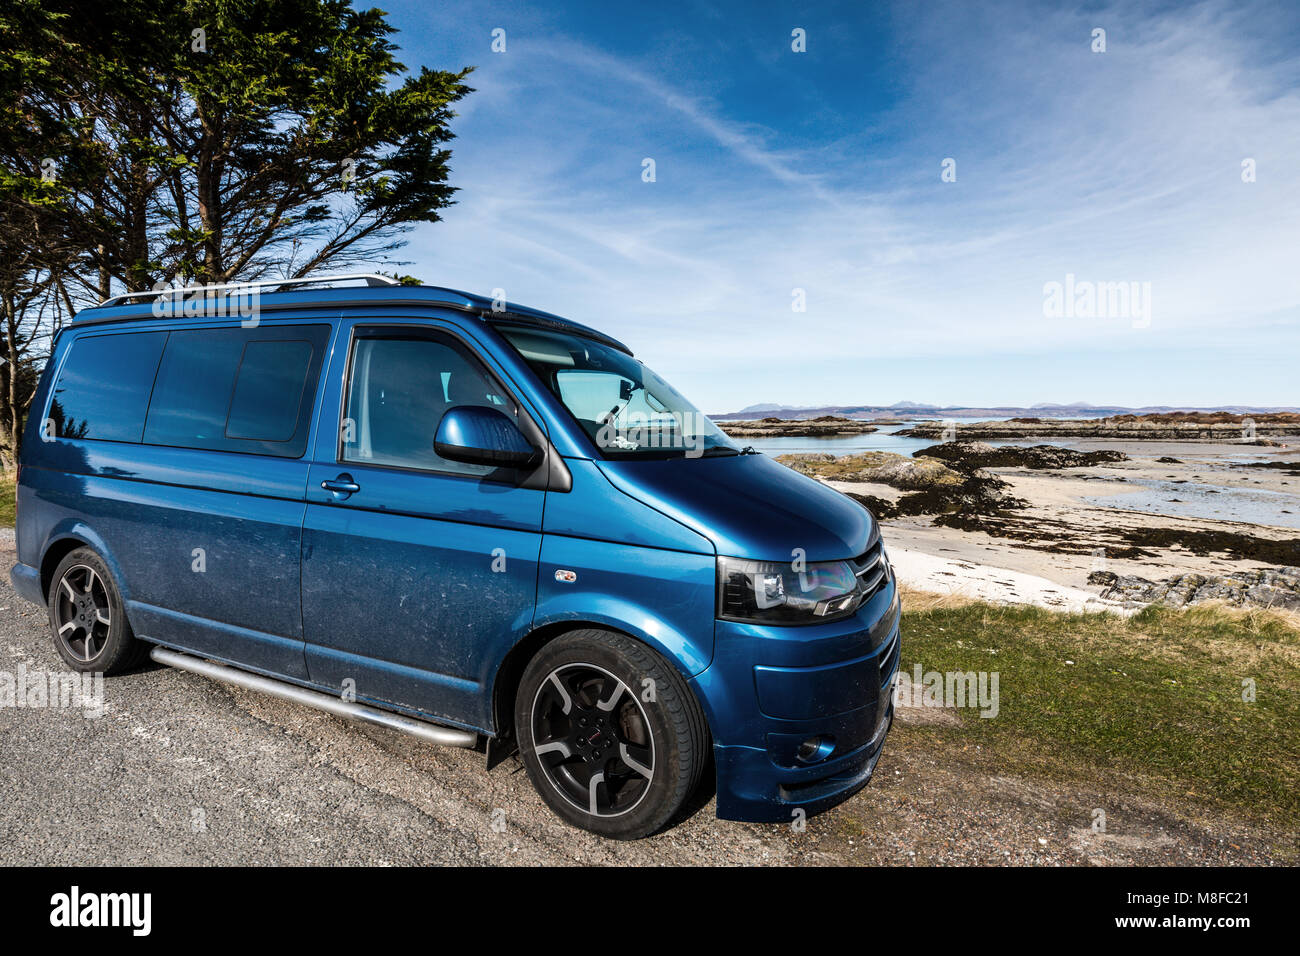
pixel 915 410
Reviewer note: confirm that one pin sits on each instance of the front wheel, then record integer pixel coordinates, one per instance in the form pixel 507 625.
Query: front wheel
pixel 613 739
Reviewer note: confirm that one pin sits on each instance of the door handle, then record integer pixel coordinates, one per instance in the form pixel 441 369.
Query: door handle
pixel 342 485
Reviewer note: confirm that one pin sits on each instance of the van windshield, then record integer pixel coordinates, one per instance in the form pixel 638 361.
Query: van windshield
pixel 626 409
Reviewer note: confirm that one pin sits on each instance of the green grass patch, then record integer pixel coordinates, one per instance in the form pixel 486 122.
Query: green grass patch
pixel 8 500
pixel 1151 703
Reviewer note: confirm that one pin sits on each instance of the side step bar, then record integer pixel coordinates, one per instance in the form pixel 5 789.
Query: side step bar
pixel 434 733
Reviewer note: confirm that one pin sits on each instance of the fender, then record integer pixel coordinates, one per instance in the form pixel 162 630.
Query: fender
pixel 687 653
pixel 74 529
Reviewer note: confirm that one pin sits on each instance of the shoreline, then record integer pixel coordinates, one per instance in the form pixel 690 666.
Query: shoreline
pixel 1076 522
pixel 1203 427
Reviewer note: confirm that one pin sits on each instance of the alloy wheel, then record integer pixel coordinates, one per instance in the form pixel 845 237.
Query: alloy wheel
pixel 593 739
pixel 82 612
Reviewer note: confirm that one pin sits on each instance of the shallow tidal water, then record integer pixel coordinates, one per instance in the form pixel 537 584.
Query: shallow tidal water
pixel 885 439
pixel 1196 500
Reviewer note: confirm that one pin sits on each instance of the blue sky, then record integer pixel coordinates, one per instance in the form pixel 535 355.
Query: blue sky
pixel 821 171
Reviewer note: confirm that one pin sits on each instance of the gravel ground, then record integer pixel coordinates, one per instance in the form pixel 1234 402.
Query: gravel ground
pixel 182 770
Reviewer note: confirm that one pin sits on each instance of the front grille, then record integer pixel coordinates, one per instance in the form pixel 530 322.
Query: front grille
pixel 872 570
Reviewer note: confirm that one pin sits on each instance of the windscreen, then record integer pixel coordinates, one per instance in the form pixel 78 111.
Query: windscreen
pixel 625 408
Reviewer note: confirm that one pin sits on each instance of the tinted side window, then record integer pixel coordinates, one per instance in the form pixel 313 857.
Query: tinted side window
pixel 269 390
pixel 103 387
pixel 398 389
pixel 246 390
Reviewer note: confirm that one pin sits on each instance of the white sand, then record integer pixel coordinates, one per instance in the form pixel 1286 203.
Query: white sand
pixel 928 572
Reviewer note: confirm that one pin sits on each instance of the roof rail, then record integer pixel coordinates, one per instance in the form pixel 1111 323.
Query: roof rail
pixel 370 278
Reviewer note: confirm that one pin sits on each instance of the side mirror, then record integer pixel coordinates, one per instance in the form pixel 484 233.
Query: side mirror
pixel 480 435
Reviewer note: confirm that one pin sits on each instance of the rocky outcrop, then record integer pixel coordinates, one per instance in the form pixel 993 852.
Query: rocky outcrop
pixel 1216 426
pixel 978 494
pixel 878 467
pixel 827 426
pixel 934 488
pixel 965 455
pixel 1266 587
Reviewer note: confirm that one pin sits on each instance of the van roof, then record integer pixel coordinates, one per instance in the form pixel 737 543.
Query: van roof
pixel 121 309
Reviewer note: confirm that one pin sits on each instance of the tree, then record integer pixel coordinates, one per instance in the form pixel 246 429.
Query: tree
pixel 208 140
pixel 37 242
pixel 244 139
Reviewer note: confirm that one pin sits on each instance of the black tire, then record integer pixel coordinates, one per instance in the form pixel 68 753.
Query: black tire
pixel 632 799
pixel 82 593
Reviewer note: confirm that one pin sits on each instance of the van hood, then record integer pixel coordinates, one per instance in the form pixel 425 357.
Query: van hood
pixel 749 506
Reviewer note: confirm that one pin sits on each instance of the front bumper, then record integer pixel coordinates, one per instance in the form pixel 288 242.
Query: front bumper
pixel 768 688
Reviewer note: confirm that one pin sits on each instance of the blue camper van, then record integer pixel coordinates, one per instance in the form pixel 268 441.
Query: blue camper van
pixel 466 520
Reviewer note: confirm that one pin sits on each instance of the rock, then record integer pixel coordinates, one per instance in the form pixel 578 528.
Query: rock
pixel 877 467
pixel 1266 587
pixel 827 426
pixel 965 455
pixel 807 460
pixel 935 489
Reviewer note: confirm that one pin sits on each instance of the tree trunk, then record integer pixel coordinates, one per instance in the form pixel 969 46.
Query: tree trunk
pixel 208 182
pixel 10 413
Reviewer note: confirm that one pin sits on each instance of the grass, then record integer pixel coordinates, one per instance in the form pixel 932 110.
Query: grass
pixel 1151 703
pixel 8 501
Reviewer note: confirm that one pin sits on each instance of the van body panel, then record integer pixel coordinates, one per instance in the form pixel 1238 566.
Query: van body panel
pixel 664 598
pixel 191 533
pixel 263 651
pixel 26 580
pixel 749 506
pixel 196 552
pixel 415 586
pixel 599 510
pixel 408 607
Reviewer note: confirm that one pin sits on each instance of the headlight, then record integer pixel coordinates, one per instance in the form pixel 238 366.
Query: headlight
pixel 763 592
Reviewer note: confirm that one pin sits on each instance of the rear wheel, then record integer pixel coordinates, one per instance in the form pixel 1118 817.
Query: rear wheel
pixel 613 739
pixel 87 616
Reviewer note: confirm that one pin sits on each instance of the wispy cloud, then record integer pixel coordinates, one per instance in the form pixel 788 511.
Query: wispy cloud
pixel 1115 166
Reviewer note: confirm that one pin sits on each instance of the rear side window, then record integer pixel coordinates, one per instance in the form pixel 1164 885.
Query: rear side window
pixel 103 388
pixel 270 390
pixel 246 390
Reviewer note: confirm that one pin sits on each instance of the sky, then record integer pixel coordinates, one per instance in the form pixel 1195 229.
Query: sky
pixel 949 203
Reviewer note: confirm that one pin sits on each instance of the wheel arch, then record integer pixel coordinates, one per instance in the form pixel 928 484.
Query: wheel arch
pixel 505 684
pixel 55 552
pixel 64 542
